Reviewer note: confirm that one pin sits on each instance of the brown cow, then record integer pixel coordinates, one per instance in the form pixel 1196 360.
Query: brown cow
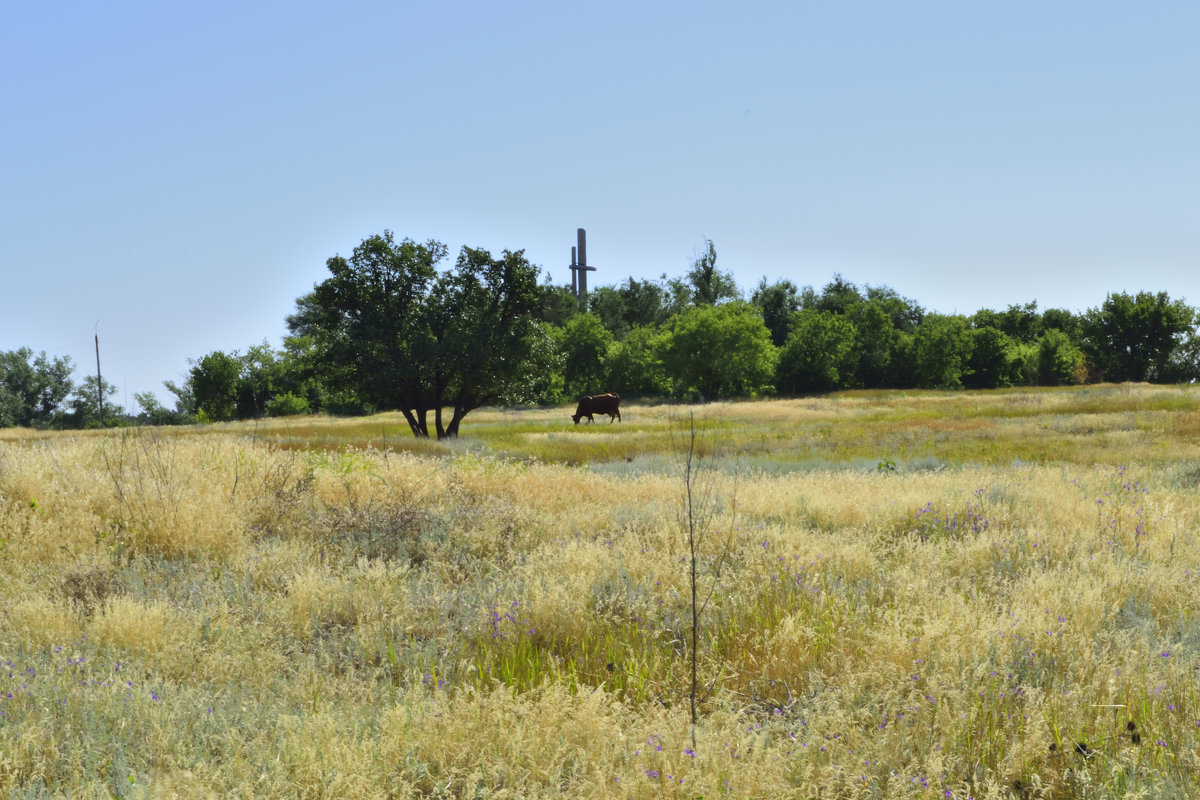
pixel 598 404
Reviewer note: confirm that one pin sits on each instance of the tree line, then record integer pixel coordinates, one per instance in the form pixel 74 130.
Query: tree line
pixel 393 328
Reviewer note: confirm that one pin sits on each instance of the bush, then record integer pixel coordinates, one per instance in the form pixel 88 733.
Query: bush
pixel 583 343
pixel 633 366
pixel 720 351
pixel 941 348
pixel 1059 361
pixel 819 354
pixel 287 405
pixel 992 361
pixel 1026 358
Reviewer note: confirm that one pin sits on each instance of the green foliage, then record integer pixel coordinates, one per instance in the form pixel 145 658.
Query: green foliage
pixel 391 328
pixel 633 364
pixel 710 285
pixel 1019 323
pixel 877 345
pixel 904 313
pixel 941 347
pixel 155 413
pixel 287 405
pixel 1022 323
pixel 299 375
pixel 370 322
pixel 818 356
pixel 1184 363
pixel 1026 362
pixel 84 406
pixel 883 322
pixel 720 351
pixel 557 304
pixel 838 296
pixel 185 396
pixel 538 378
pixel 214 380
pixel 32 389
pixel 606 305
pixel 1134 338
pixel 987 318
pixel 489 345
pixel 1060 362
pixel 584 343
pixel 777 302
pixel 631 304
pixel 646 302
pixel 262 377
pixel 1035 348
pixel 1064 320
pixel 229 386
pixel 990 365
pixel 678 296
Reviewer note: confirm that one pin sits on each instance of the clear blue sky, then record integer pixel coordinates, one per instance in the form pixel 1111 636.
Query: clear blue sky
pixel 181 172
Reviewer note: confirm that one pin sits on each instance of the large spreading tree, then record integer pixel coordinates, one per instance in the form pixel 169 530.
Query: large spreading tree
pixel 402 334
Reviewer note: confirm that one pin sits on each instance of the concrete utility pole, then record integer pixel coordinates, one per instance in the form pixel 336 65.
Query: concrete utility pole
pixel 580 270
pixel 574 274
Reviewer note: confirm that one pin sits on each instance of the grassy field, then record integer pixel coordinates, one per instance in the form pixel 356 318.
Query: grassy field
pixel 912 595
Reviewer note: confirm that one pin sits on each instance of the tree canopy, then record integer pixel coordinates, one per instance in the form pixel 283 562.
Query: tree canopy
pixel 709 284
pixel 818 354
pixel 720 351
pixel 32 387
pixel 776 302
pixel 1132 338
pixel 405 335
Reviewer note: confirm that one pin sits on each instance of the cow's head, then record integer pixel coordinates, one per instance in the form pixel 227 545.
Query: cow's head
pixel 577 417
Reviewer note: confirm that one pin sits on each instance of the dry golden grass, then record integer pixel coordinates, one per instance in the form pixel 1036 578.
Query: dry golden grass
pixel 982 594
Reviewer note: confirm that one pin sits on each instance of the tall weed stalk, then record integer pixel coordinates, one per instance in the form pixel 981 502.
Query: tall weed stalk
pixel 699 508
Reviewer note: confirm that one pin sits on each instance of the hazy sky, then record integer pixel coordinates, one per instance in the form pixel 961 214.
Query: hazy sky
pixel 180 172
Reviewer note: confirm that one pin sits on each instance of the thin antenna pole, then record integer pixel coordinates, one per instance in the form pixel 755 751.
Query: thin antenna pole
pixel 99 382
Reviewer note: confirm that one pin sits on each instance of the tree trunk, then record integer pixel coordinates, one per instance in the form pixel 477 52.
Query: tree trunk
pixel 417 423
pixel 459 412
pixel 437 418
